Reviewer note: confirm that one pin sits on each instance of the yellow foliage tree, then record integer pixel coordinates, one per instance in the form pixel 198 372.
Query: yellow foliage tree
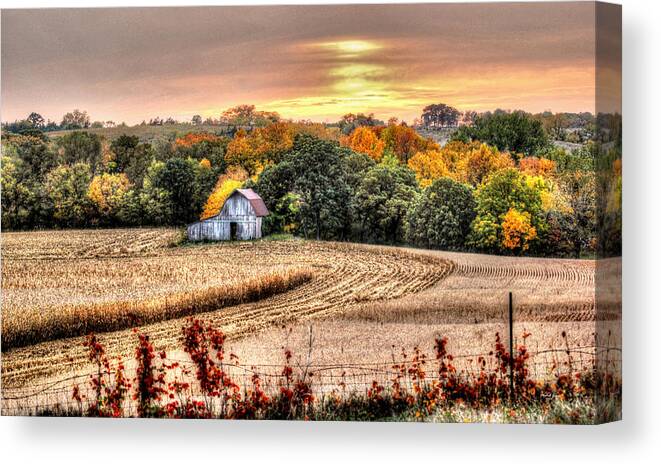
pixel 553 198
pixel 517 230
pixel 364 140
pixel 205 163
pixel 107 192
pixel 226 184
pixel 428 166
pixel 262 146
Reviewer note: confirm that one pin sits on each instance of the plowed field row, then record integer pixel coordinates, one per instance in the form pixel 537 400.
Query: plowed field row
pixel 346 276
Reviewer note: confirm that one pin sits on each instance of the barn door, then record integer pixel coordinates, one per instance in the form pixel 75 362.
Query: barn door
pixel 232 230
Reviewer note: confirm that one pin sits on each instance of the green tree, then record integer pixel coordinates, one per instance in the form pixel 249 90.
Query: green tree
pixel 321 184
pixel 382 201
pixel 351 121
pixel 357 165
pixel 177 177
pixel 21 195
pixel 36 120
pixel 440 115
pixel 504 191
pixel 442 216
pixel 516 132
pixel 75 120
pixel 80 147
pixel 67 188
pixel 35 153
pixel 274 184
pixel 132 157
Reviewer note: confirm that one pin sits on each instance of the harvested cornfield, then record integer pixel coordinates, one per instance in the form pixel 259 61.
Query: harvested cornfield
pixel 363 301
pixel 544 290
pixel 40 280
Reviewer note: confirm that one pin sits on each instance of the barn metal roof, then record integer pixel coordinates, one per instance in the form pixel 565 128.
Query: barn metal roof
pixel 255 200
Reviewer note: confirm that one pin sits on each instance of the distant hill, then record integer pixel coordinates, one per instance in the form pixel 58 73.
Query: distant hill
pixel 147 133
pixel 441 136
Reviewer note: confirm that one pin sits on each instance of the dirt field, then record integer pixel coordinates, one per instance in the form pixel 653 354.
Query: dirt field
pixel 363 303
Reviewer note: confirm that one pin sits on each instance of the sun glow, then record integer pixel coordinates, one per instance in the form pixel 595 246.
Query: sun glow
pixel 351 48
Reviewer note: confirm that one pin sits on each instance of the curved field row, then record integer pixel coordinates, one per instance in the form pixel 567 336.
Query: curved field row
pixel 346 276
pixel 545 290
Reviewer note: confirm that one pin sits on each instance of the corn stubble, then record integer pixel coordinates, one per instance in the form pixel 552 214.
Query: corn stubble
pixel 52 291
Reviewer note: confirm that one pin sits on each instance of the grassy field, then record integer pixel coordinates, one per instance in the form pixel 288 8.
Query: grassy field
pixel 332 304
pixel 146 133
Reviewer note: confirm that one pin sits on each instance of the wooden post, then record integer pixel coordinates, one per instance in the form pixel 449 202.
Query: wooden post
pixel 511 323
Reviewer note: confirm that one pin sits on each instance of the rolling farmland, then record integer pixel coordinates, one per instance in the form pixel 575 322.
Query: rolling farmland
pixel 357 295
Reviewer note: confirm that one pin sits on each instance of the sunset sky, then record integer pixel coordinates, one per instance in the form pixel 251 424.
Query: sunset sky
pixel 305 62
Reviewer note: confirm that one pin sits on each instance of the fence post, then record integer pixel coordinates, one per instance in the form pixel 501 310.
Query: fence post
pixel 511 323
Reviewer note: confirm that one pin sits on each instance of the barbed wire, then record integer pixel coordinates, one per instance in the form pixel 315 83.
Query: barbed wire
pixel 326 375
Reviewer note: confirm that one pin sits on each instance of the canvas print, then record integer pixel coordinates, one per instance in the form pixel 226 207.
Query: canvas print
pixel 395 212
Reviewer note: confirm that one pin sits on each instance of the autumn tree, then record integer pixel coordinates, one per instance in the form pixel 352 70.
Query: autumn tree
pixel 517 230
pixel 404 142
pixel 442 215
pixel 504 190
pixel 262 146
pixel 472 162
pixel 364 140
pixel 535 166
pixel 479 162
pixel 428 166
pixel 241 152
pixel 226 184
pixel 107 191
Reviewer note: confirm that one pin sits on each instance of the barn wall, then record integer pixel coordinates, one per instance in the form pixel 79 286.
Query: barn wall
pixel 237 206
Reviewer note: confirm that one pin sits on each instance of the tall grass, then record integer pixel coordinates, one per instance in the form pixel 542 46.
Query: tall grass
pixel 55 322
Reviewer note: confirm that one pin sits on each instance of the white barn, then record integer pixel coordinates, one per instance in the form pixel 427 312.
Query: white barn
pixel 239 219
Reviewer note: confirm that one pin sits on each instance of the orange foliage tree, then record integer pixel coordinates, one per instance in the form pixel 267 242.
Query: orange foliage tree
pixel 226 184
pixel 193 138
pixel 534 166
pixel 261 147
pixel 404 142
pixel 364 140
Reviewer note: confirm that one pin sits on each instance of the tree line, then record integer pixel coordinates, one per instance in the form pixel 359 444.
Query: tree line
pixel 498 186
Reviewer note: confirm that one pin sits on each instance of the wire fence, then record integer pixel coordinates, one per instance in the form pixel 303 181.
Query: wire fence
pixel 55 395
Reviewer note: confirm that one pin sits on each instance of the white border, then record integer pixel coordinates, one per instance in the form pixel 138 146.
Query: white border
pixel 635 439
